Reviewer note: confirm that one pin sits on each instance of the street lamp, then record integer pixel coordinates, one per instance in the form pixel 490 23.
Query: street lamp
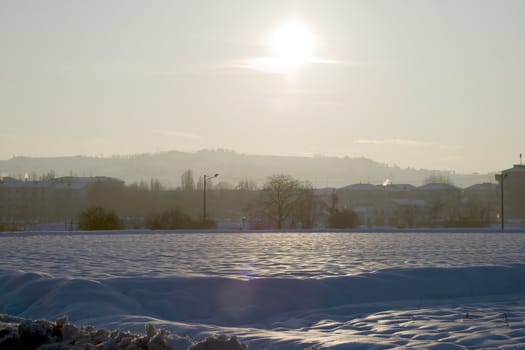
pixel 502 206
pixel 206 179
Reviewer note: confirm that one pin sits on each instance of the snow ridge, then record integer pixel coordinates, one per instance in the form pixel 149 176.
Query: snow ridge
pixel 232 302
pixel 421 308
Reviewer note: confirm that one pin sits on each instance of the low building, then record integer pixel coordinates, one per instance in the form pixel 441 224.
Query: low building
pixel 513 193
pixel 481 202
pixel 25 201
pixel 407 213
pixel 444 200
pixel 22 199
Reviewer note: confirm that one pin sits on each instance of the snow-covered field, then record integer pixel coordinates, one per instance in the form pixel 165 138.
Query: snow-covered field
pixel 278 290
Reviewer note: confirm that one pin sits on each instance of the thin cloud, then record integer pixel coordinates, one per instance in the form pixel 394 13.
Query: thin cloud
pixel 280 65
pixel 394 142
pixel 173 133
pixel 135 69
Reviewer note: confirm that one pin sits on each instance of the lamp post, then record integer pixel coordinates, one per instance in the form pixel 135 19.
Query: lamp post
pixel 502 206
pixel 206 179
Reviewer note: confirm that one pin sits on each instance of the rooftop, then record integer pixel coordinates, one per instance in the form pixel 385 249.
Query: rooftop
pixel 437 187
pixel 398 187
pixel 68 182
pixel 362 187
pixel 483 187
pixel 410 202
pixel 517 168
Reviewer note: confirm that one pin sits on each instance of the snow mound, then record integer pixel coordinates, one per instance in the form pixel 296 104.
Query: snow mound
pixel 232 302
pixel 422 308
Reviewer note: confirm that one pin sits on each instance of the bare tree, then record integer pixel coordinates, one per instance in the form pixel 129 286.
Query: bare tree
pixel 280 197
pixel 187 181
pixel 48 177
pixel 246 185
pixel 224 186
pixel 307 207
pixel 155 185
pixel 438 178
pixel 334 200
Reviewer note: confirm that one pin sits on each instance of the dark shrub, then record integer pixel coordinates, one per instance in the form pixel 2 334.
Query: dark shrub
pixel 168 220
pixel 344 219
pixel 175 219
pixel 467 223
pixel 98 218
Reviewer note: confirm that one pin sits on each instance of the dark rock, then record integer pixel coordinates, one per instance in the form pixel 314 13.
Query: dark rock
pixel 20 334
pixel 10 340
pixel 35 333
pixel 221 342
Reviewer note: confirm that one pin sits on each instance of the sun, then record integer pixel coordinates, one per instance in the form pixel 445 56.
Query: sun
pixel 293 42
pixel 292 46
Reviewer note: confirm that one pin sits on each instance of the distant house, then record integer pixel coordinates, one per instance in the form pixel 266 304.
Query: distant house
pixel 481 189
pixel 444 199
pixel 35 201
pixel 363 199
pixel 514 192
pixel 71 194
pixel 370 202
pixel 366 215
pixel 360 195
pixel 398 188
pixel 433 204
pixel 437 188
pixel 407 213
pixel 480 202
pixel 21 199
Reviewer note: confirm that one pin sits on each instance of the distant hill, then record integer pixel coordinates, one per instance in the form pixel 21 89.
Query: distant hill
pixel 232 167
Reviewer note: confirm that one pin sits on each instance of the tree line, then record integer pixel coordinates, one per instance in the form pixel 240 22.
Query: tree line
pixel 282 202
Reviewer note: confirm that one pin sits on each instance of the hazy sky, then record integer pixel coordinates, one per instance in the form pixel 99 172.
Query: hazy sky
pixel 429 84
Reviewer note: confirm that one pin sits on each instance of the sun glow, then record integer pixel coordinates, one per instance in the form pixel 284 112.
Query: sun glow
pixel 292 46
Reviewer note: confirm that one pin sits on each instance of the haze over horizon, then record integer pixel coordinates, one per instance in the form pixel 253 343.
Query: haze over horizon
pixel 433 84
pixel 140 154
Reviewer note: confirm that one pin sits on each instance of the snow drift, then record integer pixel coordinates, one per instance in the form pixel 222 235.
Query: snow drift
pixel 233 302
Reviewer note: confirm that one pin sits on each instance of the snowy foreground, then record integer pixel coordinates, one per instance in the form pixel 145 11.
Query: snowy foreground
pixel 439 305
